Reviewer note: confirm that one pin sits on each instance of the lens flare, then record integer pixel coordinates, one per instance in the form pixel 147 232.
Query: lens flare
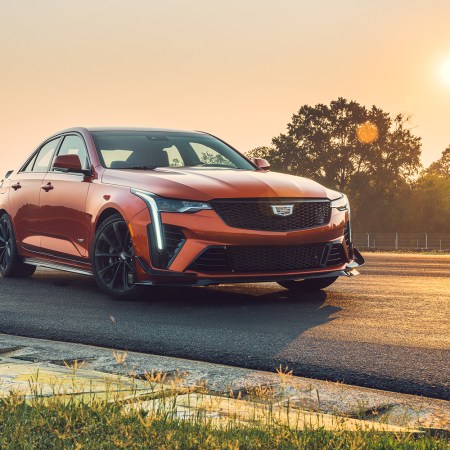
pixel 367 132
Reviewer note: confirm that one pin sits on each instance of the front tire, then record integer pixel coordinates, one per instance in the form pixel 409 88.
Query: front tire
pixel 311 285
pixel 113 260
pixel 11 265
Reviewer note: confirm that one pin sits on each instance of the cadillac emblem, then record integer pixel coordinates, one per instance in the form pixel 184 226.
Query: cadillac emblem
pixel 282 210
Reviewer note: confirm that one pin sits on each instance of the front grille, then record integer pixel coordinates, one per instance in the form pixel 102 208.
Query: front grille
pixel 259 258
pixel 174 240
pixel 337 255
pixel 258 214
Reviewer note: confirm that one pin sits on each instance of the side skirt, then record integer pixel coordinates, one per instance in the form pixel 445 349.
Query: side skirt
pixel 56 266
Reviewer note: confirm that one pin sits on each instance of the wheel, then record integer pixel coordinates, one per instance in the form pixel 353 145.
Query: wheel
pixel 11 265
pixel 112 259
pixel 313 284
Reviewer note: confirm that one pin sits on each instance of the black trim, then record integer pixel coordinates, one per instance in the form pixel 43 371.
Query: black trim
pixel 170 235
pixel 325 254
pixel 36 153
pixel 40 262
pixel 333 254
pixel 84 172
pixel 173 280
pixel 76 259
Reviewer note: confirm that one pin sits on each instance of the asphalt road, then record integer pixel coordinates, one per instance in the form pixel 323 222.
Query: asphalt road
pixel 387 329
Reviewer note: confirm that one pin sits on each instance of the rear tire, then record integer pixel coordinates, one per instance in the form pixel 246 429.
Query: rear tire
pixel 113 262
pixel 311 285
pixel 11 265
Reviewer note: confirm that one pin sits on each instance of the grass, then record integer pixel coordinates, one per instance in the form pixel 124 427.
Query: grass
pixel 59 423
pixel 156 418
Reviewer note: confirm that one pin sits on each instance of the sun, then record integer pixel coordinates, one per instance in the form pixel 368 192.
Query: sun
pixel 445 71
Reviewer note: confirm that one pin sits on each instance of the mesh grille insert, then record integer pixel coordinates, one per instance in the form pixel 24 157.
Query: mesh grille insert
pixel 275 259
pixel 259 258
pixel 258 215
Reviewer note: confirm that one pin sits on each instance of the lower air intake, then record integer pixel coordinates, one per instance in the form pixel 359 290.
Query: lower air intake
pixel 241 259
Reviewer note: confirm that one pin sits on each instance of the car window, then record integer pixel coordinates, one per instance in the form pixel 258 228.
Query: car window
pixel 29 166
pixel 175 159
pixel 45 156
pixel 209 156
pixel 74 145
pixel 117 156
pixel 152 149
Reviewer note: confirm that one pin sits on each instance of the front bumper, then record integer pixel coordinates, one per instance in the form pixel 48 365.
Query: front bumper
pixel 206 229
pixel 171 278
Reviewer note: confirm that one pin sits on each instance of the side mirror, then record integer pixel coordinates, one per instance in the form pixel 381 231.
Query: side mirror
pixel 261 163
pixel 68 163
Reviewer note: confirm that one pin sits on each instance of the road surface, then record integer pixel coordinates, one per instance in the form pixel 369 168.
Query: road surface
pixel 387 329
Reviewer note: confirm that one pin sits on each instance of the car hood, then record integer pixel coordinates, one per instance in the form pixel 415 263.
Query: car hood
pixel 208 184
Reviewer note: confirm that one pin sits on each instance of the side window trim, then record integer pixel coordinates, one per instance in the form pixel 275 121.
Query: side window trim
pixel 58 149
pixel 31 159
pixel 36 154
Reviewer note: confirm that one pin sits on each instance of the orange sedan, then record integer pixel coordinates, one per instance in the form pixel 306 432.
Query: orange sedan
pixel 138 207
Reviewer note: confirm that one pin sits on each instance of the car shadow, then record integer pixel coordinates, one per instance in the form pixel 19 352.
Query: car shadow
pixel 241 324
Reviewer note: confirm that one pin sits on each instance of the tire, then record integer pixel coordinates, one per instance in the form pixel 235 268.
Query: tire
pixel 112 259
pixel 11 265
pixel 311 285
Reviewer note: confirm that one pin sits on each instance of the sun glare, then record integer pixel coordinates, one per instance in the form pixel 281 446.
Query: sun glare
pixel 445 71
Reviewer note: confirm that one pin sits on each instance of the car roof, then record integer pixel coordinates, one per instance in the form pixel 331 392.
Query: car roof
pixel 90 129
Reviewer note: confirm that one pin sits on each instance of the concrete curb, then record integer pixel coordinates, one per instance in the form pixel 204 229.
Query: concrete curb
pixel 215 392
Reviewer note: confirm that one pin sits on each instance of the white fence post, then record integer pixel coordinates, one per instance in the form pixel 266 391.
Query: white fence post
pixel 390 240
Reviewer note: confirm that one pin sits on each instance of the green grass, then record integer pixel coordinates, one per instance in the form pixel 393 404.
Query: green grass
pixel 62 424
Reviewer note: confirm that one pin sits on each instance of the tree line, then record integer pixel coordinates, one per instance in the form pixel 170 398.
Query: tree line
pixel 373 157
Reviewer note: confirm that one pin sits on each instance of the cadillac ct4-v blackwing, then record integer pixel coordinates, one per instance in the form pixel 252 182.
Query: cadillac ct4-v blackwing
pixel 137 207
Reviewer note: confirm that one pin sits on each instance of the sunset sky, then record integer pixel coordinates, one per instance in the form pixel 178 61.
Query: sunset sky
pixel 237 68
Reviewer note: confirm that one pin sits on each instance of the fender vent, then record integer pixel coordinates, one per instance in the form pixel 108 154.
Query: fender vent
pixel 174 240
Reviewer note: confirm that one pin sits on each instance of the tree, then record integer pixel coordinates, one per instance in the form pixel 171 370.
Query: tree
pixel 442 165
pixel 430 203
pixel 366 153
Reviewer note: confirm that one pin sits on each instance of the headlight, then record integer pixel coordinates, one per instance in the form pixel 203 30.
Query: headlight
pixel 171 205
pixel 181 206
pixel 341 203
pixel 156 205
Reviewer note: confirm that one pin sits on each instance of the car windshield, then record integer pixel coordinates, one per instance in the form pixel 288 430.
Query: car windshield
pixel 153 149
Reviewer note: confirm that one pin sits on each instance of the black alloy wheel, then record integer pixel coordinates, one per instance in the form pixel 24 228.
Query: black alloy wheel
pixel 113 260
pixel 5 244
pixel 11 265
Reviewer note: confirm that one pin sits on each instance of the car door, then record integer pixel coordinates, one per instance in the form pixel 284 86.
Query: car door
pixel 64 223
pixel 24 195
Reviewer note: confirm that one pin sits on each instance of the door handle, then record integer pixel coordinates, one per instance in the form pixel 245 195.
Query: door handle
pixel 47 187
pixel 16 186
